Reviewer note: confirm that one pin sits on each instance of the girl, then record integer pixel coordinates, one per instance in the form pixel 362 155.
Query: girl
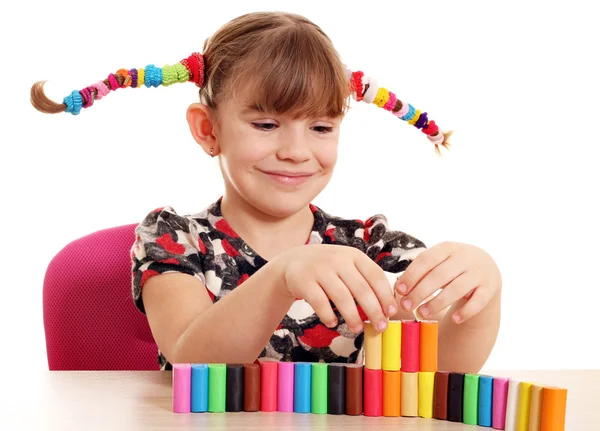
pixel 262 272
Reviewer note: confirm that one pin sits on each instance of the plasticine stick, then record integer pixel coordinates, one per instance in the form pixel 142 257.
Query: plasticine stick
pixel 318 395
pixel 429 345
pixel 426 383
pixel 199 393
pixel 499 399
pixel 410 346
pixel 391 393
pixel 373 347
pixel 524 406
pixel 484 406
pixel 373 392
pixel 234 382
pixel 251 387
pixel 336 387
pixel 302 387
pixel 354 389
pixel 554 408
pixel 535 413
pixel 268 385
pixel 512 404
pixel 409 398
pixel 470 399
pixel 390 346
pixel 440 394
pixel 285 387
pixel 456 383
pixel 216 388
pixel 182 382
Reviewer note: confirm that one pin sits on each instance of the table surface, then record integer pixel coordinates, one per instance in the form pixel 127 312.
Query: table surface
pixel 136 400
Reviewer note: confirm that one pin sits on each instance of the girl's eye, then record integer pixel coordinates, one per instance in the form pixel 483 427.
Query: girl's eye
pixel 264 126
pixel 323 129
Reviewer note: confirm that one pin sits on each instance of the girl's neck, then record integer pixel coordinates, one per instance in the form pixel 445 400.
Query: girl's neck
pixel 265 234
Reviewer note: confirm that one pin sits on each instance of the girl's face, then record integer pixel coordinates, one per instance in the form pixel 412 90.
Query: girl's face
pixel 274 162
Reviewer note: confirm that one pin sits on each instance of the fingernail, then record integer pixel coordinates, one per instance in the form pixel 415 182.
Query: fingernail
pixel 407 303
pixel 358 328
pixel 392 310
pixel 382 325
pixel 402 288
pixel 457 318
pixel 332 323
pixel 424 311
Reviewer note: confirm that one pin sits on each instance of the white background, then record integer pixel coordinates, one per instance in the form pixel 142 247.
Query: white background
pixel 517 81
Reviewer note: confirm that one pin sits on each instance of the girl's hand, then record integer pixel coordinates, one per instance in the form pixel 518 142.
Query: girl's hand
pixel 459 270
pixel 319 273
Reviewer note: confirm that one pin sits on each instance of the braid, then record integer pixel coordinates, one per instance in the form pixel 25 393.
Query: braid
pixel 364 88
pixel 189 69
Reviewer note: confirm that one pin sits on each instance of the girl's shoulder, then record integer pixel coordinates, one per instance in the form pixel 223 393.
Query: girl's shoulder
pixel 166 218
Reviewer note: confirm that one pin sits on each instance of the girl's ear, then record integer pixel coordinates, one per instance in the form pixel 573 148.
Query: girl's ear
pixel 201 122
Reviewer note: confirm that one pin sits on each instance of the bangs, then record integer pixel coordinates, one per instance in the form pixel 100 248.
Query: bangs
pixel 297 74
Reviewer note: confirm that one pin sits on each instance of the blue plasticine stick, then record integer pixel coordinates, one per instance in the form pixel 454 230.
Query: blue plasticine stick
pixel 199 400
pixel 302 387
pixel 485 401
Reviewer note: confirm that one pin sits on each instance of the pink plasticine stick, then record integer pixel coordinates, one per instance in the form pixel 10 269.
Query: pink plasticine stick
pixel 285 388
pixel 499 396
pixel 182 387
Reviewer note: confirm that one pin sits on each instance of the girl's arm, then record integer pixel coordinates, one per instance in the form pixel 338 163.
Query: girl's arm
pixel 189 328
pixel 466 347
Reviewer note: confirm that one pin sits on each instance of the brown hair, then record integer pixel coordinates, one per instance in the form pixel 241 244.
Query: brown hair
pixel 289 63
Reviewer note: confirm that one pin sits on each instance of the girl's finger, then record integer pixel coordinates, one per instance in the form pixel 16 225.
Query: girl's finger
pixel 442 275
pixel 318 300
pixel 451 293
pixel 376 280
pixel 477 302
pixel 420 267
pixel 364 294
pixel 338 292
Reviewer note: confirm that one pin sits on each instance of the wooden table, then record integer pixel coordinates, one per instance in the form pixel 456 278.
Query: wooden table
pixel 136 400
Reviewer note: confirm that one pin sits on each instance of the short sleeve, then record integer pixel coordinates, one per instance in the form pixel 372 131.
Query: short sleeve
pixel 165 242
pixel 392 250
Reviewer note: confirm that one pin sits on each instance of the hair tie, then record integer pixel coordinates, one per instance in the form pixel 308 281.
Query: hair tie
pixel 153 76
pixel 421 121
pixel 126 78
pixel 103 90
pixel 134 78
pixel 73 102
pixel 195 65
pixel 87 94
pixel 430 129
pixel 391 103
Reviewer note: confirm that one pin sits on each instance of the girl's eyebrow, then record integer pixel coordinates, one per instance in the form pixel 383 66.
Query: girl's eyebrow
pixel 252 109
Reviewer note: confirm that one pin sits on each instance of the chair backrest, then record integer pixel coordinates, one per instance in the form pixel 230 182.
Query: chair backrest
pixel 90 320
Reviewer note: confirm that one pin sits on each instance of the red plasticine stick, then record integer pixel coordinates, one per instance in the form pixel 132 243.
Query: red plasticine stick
pixel 268 386
pixel 410 350
pixel 373 392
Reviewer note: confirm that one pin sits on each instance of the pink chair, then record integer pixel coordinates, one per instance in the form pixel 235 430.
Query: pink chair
pixel 90 320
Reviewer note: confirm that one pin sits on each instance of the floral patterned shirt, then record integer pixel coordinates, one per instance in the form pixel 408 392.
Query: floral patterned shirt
pixel 206 247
